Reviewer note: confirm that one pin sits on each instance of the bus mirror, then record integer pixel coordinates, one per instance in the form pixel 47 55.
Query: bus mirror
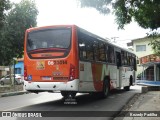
pixel 137 61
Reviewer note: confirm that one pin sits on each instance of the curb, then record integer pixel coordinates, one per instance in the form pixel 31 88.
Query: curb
pixel 153 88
pixel 145 89
pixel 13 93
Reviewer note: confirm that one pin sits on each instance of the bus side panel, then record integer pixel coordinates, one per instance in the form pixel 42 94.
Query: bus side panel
pixel 93 74
pixel 118 78
pixel 85 78
pixel 125 73
pixel 113 76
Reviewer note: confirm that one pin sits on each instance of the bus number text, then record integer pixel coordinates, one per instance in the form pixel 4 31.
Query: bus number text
pixel 58 62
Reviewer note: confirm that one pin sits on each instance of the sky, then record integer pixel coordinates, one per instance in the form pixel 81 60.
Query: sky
pixel 53 12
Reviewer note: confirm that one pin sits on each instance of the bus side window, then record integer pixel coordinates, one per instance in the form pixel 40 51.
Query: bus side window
pixel 102 56
pixel 111 57
pixel 132 60
pixel 106 49
pixel 89 49
pixel 129 60
pixel 118 59
pixel 135 64
pixel 96 50
pixel 125 58
pixel 82 51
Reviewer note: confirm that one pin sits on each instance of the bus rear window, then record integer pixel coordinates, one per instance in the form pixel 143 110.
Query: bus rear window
pixel 49 41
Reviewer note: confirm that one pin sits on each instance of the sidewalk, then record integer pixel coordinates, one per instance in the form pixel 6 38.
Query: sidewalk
pixel 144 106
pixel 8 90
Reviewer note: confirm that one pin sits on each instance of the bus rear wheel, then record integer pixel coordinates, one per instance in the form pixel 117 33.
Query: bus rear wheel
pixel 127 88
pixel 106 88
pixel 67 94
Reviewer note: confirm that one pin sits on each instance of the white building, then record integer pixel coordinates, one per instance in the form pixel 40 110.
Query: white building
pixel 149 63
pixel 4 70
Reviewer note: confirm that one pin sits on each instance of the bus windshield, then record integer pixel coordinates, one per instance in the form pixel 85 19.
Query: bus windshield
pixel 49 41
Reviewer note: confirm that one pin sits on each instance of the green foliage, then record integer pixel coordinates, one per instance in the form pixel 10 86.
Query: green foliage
pixel 20 17
pixel 155 43
pixel 145 12
pixel 4 5
pixel 156 46
pixel 100 5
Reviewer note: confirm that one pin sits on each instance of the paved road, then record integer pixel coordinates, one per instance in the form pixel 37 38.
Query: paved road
pixel 54 102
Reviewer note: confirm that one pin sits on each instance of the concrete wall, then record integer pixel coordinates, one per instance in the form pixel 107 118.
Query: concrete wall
pixel 4 70
pixel 144 41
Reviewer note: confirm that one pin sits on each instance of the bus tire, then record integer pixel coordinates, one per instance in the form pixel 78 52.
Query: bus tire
pixel 131 80
pixel 64 94
pixel 127 88
pixel 73 94
pixel 67 94
pixel 106 88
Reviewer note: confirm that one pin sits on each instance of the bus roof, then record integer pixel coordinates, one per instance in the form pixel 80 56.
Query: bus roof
pixel 45 27
pixel 102 39
pixel 82 30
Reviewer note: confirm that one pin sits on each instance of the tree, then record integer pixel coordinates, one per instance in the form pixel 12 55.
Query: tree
pixel 145 12
pixel 4 5
pixel 20 17
pixel 155 43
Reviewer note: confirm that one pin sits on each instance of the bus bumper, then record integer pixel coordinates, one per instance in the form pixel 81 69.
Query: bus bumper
pixel 52 86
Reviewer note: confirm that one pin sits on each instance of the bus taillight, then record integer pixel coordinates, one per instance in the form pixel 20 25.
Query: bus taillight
pixel 25 73
pixel 72 72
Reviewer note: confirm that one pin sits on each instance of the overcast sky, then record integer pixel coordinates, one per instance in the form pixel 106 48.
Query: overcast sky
pixel 53 12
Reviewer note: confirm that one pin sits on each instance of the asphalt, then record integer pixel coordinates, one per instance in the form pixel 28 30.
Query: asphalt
pixel 145 105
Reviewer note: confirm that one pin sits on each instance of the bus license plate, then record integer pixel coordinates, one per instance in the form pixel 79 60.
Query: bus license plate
pixel 46 78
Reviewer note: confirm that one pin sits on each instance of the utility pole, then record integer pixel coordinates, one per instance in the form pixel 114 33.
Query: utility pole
pixel 114 39
pixel 14 63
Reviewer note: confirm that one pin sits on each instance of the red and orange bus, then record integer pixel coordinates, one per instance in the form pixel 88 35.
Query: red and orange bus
pixel 71 60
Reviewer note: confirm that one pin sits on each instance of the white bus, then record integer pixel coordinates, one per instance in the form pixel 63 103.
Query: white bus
pixel 69 59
